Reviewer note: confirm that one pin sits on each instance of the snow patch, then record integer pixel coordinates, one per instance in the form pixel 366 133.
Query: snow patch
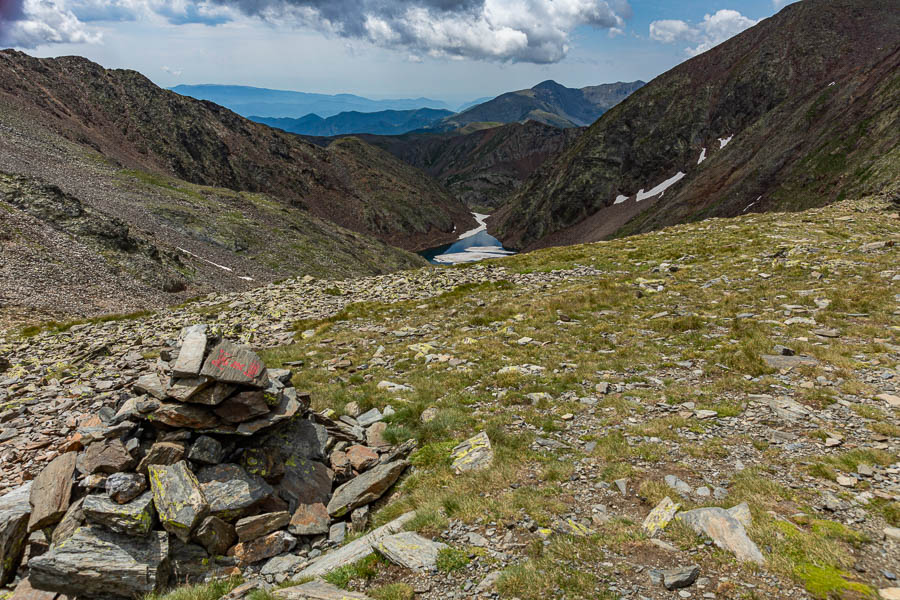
pixel 724 141
pixel 620 199
pixel 832 83
pixel 482 226
pixel 752 204
pixel 702 156
pixel 661 188
pixel 223 267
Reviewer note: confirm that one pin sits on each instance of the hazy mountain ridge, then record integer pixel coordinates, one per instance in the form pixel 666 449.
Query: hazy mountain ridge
pixel 386 122
pixel 805 105
pixel 247 101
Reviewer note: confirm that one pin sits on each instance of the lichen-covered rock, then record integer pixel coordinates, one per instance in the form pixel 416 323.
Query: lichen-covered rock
pixel 51 492
pixel 134 518
pixel 178 498
pixel 207 450
pixel 231 491
pixel 305 482
pixel 473 454
pixel 98 563
pixel 410 550
pixel 264 462
pixel 366 488
pixel 15 509
pixel 660 516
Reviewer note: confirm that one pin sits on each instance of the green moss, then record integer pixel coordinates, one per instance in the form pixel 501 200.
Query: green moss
pixel 451 559
pixel 829 582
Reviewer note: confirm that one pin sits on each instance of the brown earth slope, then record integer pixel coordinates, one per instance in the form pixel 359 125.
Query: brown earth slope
pixel 811 97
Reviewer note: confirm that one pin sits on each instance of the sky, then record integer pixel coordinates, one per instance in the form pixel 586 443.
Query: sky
pixel 451 50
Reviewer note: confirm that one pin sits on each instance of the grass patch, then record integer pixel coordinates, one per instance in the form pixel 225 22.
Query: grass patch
pixel 452 559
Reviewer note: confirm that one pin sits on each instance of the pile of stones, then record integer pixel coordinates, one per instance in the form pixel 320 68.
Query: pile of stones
pixel 210 465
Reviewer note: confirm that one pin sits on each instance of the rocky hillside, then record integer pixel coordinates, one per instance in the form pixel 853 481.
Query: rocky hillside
pixel 798 111
pixel 133 124
pixel 710 410
pixel 549 103
pixel 484 167
pixel 385 122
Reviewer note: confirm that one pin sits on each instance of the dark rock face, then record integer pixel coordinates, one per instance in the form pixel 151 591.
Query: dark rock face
pixel 15 509
pixel 231 491
pixel 97 563
pixel 135 518
pixel 797 92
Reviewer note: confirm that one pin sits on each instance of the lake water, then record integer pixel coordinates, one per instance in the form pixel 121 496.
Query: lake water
pixel 472 246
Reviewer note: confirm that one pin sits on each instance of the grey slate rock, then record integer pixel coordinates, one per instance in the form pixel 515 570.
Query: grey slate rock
pixel 190 357
pixel 15 509
pixel 366 488
pixel 317 590
pixel 51 492
pixel 98 563
pixel 681 577
pixel 134 518
pixel 124 487
pixel 410 550
pixel 232 363
pixel 231 491
pixel 250 528
pixel 725 530
pixel 215 535
pixel 207 450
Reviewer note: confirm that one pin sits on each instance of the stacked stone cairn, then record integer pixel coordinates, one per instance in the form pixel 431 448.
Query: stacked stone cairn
pixel 210 466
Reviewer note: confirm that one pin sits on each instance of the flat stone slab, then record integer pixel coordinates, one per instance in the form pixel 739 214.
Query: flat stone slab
pixel 231 363
pixel 98 563
pixel 366 488
pixel 108 456
pixel 265 547
pixel 183 389
pixel 215 535
pixel 15 510
pixel 726 531
pixel 175 414
pixel 178 498
pixel 51 492
pixel 134 518
pixel 473 454
pixel 150 384
pixel 250 528
pixel 410 550
pixel 310 519
pixel 190 357
pixel 243 406
pixel 789 410
pixel 317 590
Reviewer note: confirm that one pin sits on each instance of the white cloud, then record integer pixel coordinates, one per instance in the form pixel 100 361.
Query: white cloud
pixel 31 23
pixel 712 31
pixel 171 71
pixel 779 4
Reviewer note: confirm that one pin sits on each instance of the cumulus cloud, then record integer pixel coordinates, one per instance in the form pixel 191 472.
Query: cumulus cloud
pixel 712 31
pixel 779 4
pixel 30 23
pixel 534 31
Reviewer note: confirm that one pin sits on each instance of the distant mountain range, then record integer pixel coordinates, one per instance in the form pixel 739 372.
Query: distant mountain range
pixel 385 122
pixel 549 103
pixel 263 102
pixel 798 111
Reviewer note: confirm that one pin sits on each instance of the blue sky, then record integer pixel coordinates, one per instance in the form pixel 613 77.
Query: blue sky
pixel 453 50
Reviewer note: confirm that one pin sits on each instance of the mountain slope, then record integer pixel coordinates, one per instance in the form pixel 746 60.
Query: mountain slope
pixel 549 103
pixel 133 123
pixel 806 105
pixel 484 167
pixel 385 122
pixel 247 101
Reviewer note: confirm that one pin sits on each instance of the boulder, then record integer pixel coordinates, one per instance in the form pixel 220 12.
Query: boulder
pixel 215 535
pixel 474 454
pixel 51 492
pixel 190 357
pixel 725 531
pixel 15 510
pixel 410 550
pixel 108 456
pixel 366 488
pixel 231 491
pixel 250 528
pixel 134 518
pixel 310 519
pixel 99 563
pixel 178 498
pixel 207 450
pixel 124 487
pixel 243 406
pixel 305 482
pixel 162 453
pixel 265 547
pixel 317 590
pixel 231 363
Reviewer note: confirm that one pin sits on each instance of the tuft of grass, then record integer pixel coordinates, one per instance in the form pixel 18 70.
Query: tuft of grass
pixel 205 591
pixel 452 559
pixel 365 569
pixel 392 591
